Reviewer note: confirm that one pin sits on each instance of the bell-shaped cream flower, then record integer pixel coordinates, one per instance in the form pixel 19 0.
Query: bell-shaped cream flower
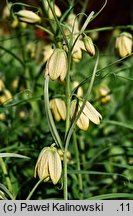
pixel 89 46
pixel 58 108
pixel 28 16
pixel 48 165
pixel 47 52
pixel 57 65
pixel 89 113
pixel 55 8
pixel 73 29
pixel 124 44
pixel 72 23
pixel 77 50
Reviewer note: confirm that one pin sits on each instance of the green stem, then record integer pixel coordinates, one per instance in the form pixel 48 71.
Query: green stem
pixel 83 158
pixel 68 104
pixel 68 137
pixel 49 116
pixel 85 5
pixel 68 94
pixel 78 162
pixel 5 172
pixel 65 175
pixel 58 24
pixel 14 55
pixel 109 28
pixel 46 13
pixel 33 190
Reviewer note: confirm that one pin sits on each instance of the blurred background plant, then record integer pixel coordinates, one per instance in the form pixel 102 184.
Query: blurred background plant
pixel 100 159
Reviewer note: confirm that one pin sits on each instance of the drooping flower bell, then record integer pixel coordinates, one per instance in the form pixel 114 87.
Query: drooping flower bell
pixel 73 30
pixel 55 8
pixel 48 165
pixel 124 44
pixel 28 16
pixel 58 108
pixel 89 113
pixel 56 65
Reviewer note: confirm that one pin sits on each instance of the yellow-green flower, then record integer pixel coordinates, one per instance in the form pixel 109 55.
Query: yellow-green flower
pixel 89 113
pixel 124 44
pixel 48 165
pixel 58 108
pixel 57 65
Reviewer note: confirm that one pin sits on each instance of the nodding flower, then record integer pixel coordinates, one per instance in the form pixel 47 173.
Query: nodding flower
pixel 56 65
pixel 28 16
pixel 58 108
pixel 49 165
pixel 124 44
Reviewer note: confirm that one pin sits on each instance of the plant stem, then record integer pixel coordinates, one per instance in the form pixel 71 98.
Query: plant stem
pixel 78 162
pixel 68 94
pixel 33 190
pixel 68 104
pixel 5 172
pixel 49 116
pixel 65 175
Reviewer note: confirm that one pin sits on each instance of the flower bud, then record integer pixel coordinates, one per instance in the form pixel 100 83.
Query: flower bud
pixel 89 45
pixel 48 165
pixel 5 96
pixel 124 44
pixel 2 116
pixel 57 65
pixel 28 16
pixel 104 94
pixel 61 153
pixel 58 108
pixel 15 23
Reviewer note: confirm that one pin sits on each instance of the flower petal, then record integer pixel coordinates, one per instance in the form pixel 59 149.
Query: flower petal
pixel 92 113
pixel 55 167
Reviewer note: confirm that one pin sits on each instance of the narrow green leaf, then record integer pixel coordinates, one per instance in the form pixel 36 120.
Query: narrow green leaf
pixel 3 187
pixel 121 124
pixel 13 155
pixel 111 196
pixel 49 116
